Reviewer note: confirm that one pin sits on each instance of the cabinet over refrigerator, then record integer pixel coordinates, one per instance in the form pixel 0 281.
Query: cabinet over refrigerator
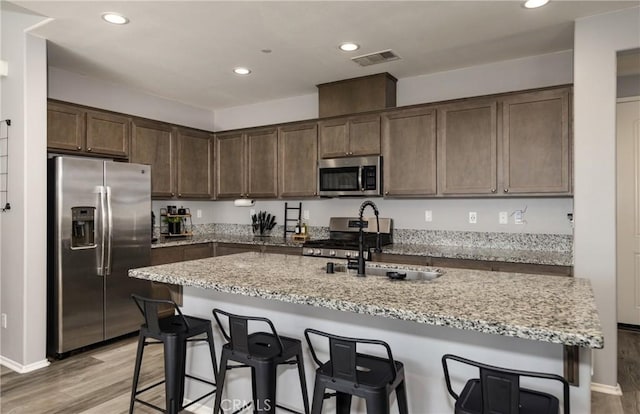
pixel 99 214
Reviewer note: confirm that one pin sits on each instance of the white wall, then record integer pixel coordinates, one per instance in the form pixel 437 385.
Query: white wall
pixel 23 253
pixel 597 39
pixel 72 87
pixel 543 215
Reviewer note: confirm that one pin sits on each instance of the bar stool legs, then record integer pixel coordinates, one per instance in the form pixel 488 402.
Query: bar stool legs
pixel 173 332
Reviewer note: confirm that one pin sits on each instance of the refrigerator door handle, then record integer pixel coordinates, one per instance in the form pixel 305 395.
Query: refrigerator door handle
pixel 107 264
pixel 103 225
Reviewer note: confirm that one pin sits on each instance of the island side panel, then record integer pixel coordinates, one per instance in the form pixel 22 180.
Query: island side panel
pixel 419 346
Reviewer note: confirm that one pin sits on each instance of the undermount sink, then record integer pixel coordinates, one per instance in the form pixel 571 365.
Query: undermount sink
pixel 395 272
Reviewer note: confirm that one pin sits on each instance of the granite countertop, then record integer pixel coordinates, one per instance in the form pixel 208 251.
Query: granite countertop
pixel 226 238
pixel 543 257
pixel 542 308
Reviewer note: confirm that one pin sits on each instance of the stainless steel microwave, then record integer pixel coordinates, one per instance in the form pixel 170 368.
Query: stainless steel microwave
pixel 352 176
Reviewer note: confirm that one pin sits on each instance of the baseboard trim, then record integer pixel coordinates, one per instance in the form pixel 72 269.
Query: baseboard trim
pixel 23 369
pixel 606 389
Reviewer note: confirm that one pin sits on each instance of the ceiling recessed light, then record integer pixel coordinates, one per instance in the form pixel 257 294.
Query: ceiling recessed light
pixel 241 71
pixel 532 4
pixel 349 47
pixel 114 18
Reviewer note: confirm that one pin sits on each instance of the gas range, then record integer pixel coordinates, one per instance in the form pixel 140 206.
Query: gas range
pixel 343 238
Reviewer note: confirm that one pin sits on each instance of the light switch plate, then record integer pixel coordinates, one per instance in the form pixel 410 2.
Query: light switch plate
pixel 199 213
pixel 473 217
pixel 503 217
pixel 305 214
pixel 428 215
pixel 3 320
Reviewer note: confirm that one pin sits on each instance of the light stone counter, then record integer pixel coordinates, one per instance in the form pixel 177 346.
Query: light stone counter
pixel 541 257
pixel 551 309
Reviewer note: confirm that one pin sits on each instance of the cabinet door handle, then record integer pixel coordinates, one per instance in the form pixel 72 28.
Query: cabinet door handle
pixel 78 147
pixel 179 194
pixel 386 193
pixel 315 193
pixel 506 190
pixel 89 149
pixel 493 190
pixel 173 194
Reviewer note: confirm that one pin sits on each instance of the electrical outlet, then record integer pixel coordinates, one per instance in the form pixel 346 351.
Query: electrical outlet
pixel 503 217
pixel 518 217
pixel 252 212
pixel 3 320
pixel 473 217
pixel 199 213
pixel 305 214
pixel 428 215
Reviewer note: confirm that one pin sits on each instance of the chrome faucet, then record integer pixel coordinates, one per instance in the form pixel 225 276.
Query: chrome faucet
pixel 361 264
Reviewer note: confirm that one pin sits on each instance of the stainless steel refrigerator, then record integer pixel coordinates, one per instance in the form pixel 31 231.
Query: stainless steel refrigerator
pixel 99 228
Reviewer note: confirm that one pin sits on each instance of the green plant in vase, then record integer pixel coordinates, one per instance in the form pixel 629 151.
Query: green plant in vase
pixel 174 225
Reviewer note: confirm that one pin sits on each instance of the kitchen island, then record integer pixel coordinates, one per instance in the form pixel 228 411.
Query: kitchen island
pixel 508 319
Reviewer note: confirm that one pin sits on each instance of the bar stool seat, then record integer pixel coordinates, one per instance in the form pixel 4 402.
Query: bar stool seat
pixel 262 352
pixel 174 332
pixel 498 391
pixel 350 373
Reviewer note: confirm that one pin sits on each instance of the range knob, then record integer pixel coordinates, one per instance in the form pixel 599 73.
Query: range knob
pixel 347 254
pixel 332 253
pixel 317 252
pixel 309 251
pixel 356 254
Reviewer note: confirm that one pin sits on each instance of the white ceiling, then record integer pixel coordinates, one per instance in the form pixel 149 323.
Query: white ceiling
pixel 186 50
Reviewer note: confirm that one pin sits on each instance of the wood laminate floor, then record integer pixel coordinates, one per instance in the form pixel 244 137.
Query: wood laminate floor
pixel 92 382
pixel 628 378
pixel 99 382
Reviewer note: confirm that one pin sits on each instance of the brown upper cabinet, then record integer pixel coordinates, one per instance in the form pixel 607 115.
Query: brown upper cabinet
pixel 467 148
pixel 536 143
pixel 349 136
pixel 72 128
pixel 516 144
pixel 247 164
pixel 409 152
pixel 297 160
pixel 194 161
pixel 153 143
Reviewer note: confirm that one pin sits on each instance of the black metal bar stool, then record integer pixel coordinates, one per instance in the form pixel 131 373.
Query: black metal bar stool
pixel 351 373
pixel 173 332
pixel 262 352
pixel 498 391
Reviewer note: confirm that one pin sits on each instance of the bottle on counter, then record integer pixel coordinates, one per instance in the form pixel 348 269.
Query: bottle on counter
pixel 298 228
pixel 303 229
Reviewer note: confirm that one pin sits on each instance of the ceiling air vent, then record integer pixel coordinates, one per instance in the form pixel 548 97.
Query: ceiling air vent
pixel 375 58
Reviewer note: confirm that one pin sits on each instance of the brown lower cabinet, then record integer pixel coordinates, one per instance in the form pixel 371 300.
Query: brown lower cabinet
pixel 224 249
pixel 174 254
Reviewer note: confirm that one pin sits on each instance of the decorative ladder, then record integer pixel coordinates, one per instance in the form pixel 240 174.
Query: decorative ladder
pixel 287 219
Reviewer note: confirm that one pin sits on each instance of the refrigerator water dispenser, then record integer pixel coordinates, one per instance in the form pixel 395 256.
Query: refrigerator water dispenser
pixel 83 227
